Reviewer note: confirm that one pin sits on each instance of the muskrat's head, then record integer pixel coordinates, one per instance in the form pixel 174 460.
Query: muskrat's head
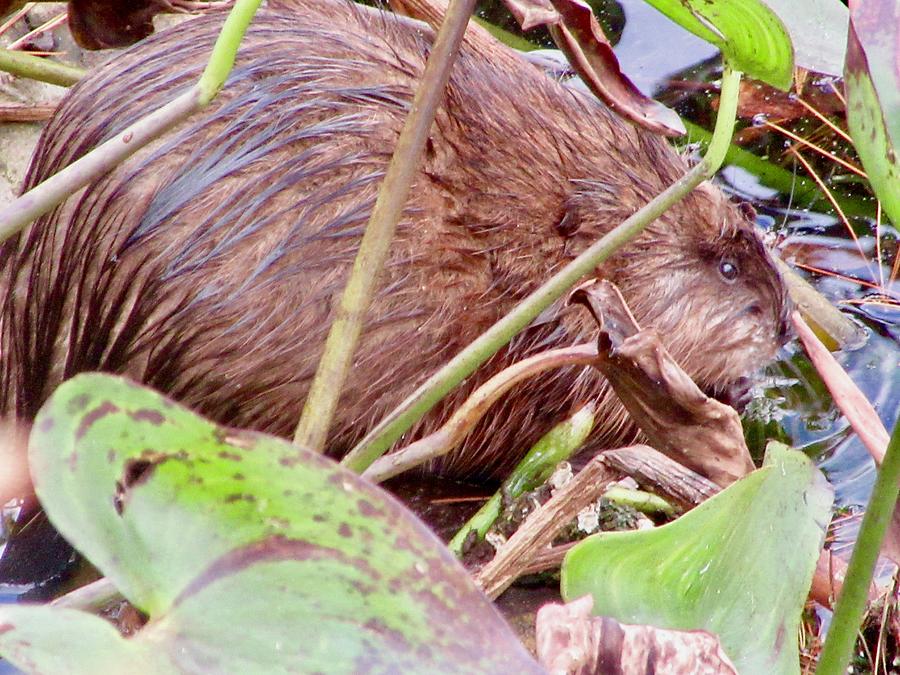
pixel 702 277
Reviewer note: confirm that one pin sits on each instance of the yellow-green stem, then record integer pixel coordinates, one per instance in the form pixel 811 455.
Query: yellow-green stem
pixel 851 606
pixel 38 68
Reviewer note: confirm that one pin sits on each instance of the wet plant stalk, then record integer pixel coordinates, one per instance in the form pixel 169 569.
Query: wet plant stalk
pixel 473 409
pixel 40 69
pixel 325 391
pixel 108 155
pixel 851 605
pixel 386 433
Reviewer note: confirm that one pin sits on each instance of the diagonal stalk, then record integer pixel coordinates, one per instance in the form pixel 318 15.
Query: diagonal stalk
pixel 325 391
pixel 40 69
pixel 851 606
pixel 383 436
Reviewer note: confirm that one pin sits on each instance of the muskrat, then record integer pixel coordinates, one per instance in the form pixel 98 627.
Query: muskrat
pixel 208 265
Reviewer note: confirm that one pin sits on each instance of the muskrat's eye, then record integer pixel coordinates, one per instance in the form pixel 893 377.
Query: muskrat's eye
pixel 728 269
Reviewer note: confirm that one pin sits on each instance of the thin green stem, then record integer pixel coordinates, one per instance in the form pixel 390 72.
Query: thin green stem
pixel 383 436
pixel 804 192
pixel 224 52
pixel 38 68
pixel 725 117
pixel 321 402
pixel 55 189
pixel 851 606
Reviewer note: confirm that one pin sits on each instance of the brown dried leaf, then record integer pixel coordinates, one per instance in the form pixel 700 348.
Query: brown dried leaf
pixel 570 640
pixel 578 34
pixel 678 419
pixel 533 13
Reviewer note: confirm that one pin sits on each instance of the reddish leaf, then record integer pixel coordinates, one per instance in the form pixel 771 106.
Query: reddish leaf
pixel 578 34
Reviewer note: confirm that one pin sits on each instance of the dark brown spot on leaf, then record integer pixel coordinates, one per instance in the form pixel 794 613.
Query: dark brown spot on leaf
pixel 238 497
pixel 147 415
pixel 135 472
pixel 345 530
pixel 98 413
pixel 231 456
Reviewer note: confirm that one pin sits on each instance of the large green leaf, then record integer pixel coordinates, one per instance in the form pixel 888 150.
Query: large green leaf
pixel 751 37
pixel 739 565
pixel 246 550
pixel 271 607
pixel 872 76
pixel 52 640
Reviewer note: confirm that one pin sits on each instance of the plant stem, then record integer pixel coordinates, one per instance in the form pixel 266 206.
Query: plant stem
pixel 55 189
pixel 108 155
pixel 467 415
pixel 224 52
pixel 851 606
pixel 325 391
pixel 383 436
pixel 38 68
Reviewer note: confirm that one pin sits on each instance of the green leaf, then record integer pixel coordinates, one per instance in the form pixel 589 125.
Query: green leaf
pixel 271 607
pixel 872 84
pixel 751 37
pixel 739 565
pixel 51 640
pixel 243 546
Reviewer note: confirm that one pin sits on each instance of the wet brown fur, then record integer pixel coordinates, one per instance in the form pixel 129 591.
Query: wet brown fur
pixel 208 265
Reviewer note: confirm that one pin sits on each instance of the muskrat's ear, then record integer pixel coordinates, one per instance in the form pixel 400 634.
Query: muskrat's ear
pixel 568 225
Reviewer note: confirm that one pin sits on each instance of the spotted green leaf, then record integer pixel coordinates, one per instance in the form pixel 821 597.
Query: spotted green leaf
pixel 246 551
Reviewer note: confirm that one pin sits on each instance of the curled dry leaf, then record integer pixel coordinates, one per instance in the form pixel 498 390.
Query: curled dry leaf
pixel 570 640
pixel 678 419
pixel 578 34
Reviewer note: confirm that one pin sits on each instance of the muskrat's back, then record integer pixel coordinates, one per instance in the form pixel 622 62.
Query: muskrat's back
pixel 208 265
